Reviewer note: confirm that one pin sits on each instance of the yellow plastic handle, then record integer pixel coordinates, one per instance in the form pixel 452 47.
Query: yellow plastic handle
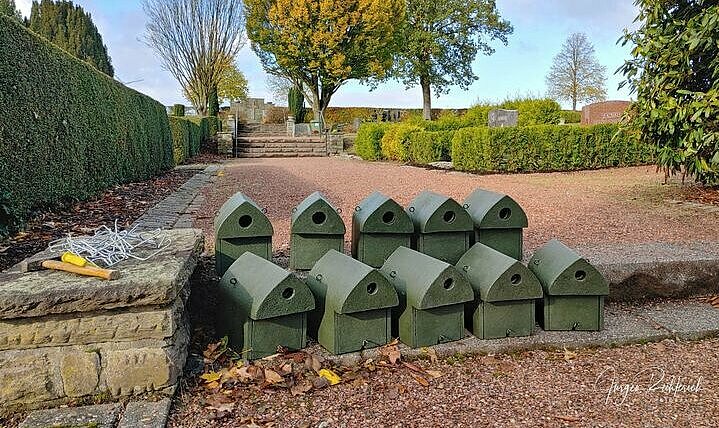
pixel 73 258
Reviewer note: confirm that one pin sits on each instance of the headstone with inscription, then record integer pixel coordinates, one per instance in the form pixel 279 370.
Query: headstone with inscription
pixel 604 112
pixel 500 118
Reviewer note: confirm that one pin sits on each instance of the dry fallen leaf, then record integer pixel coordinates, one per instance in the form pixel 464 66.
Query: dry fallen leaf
pixel 569 355
pixel 272 377
pixel 391 351
pixel 434 373
pixel 431 353
pixel 413 367
pixel 211 377
pixel 422 381
pixel 301 388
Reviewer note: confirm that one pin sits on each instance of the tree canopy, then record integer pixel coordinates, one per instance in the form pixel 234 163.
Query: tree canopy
pixel 441 39
pixel 320 45
pixel 232 85
pixel 197 41
pixel 674 71
pixel 7 8
pixel 576 75
pixel 71 28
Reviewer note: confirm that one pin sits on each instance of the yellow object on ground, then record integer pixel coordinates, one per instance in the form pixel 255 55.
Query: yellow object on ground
pixel 332 377
pixel 73 259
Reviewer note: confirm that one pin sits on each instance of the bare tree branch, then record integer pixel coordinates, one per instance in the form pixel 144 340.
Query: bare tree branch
pixel 197 41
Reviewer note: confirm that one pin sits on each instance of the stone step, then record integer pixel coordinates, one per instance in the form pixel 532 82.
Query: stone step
pixel 280 155
pixel 285 145
pixel 279 139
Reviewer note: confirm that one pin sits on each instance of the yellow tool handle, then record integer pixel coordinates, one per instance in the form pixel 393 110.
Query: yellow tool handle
pixel 73 258
pixel 86 270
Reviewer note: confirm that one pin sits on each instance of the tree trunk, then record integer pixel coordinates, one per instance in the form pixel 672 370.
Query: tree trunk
pixel 574 103
pixel 426 98
pixel 316 107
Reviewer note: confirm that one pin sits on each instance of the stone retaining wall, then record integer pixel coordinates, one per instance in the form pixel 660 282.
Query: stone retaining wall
pixel 64 336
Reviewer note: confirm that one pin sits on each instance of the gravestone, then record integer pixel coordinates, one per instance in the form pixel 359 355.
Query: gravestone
pixel 500 118
pixel 604 112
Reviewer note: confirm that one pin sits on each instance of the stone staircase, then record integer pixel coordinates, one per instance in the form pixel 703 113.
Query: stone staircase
pixel 271 140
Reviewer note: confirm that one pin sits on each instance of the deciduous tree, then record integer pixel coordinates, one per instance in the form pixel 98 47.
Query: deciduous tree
pixel 232 85
pixel 320 45
pixel 576 75
pixel 7 7
pixel 197 41
pixel 441 39
pixel 674 72
pixel 72 29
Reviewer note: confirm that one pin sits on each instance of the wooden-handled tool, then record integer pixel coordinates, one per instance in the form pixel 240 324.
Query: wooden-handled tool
pixel 54 264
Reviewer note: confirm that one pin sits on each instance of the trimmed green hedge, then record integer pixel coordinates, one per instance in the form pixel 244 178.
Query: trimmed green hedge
pixel 368 144
pixel 395 141
pixel 546 148
pixel 67 130
pixel 430 146
pixel 571 116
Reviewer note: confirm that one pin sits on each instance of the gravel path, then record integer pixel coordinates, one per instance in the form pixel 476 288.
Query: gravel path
pixel 610 205
pixel 667 384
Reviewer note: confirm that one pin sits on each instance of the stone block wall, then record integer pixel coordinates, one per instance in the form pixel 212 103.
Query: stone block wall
pixel 64 337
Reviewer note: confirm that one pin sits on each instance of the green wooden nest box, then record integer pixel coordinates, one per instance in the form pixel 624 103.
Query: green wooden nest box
pixel 431 294
pixel 241 226
pixel 442 227
pixel 354 304
pixel 315 229
pixel 379 226
pixel 573 289
pixel 262 306
pixel 505 292
pixel 499 221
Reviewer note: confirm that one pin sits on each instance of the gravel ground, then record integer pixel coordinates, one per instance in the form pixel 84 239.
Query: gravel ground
pixel 661 384
pixel 610 205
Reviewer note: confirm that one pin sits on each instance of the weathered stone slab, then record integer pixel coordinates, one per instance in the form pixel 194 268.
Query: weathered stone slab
pixel 650 270
pixel 154 282
pixel 146 414
pixel 690 320
pixel 106 326
pixel 500 118
pixel 100 416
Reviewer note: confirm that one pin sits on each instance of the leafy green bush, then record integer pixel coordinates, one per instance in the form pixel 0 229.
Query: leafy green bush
pixel 674 69
pixel 571 116
pixel 181 129
pixel 368 144
pixel 67 130
pixel 208 127
pixel 430 146
pixel 547 148
pixel 396 139
pixel 534 111
pixel 178 110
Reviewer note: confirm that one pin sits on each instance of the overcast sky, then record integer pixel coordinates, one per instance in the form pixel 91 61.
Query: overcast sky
pixel 540 28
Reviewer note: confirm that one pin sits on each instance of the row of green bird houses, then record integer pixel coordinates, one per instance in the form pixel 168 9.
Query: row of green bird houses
pixel 432 224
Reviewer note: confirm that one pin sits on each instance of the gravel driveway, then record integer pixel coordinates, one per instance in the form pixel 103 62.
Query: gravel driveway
pixel 610 205
pixel 666 384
